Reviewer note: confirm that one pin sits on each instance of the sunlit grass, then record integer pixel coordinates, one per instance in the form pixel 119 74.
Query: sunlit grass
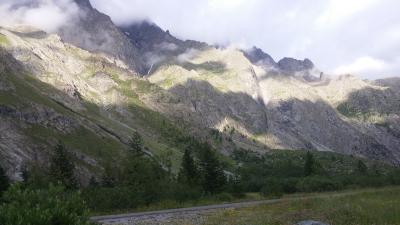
pixel 365 208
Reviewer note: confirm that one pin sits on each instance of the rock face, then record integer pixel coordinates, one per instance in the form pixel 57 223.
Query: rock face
pixel 51 84
pixel 258 57
pixel 158 47
pixel 94 31
pixel 285 107
pixel 293 65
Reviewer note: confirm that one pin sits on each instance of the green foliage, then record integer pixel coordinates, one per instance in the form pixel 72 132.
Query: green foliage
pixel 361 167
pixel 136 144
pixel 317 183
pixel 272 188
pixel 3 40
pixel 211 170
pixel 309 165
pixel 300 171
pixel 4 181
pixel 62 168
pixel 347 110
pixel 367 207
pixel 394 177
pixel 54 205
pixel 36 176
pixel 188 173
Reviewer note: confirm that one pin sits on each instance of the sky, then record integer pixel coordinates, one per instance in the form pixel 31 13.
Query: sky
pixel 361 37
pixel 339 36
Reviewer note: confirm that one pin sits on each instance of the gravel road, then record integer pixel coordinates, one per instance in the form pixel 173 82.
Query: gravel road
pixel 193 214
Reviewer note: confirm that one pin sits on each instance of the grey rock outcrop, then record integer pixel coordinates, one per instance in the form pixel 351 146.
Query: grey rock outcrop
pixel 293 65
pixel 95 32
pixel 259 57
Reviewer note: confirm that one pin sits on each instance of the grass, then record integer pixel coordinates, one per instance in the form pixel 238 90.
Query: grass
pixel 81 139
pixel 369 207
pixel 171 204
pixel 3 40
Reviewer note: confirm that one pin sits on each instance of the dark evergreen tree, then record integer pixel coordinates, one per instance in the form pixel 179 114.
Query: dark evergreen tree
pixel 4 181
pixel 361 167
pixel 136 144
pixel 309 165
pixel 188 173
pixel 212 170
pixel 62 167
pixel 109 176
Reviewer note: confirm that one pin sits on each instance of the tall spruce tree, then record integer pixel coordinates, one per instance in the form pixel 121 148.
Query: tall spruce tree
pixel 188 173
pixel 212 170
pixel 136 144
pixel 62 167
pixel 4 181
pixel 309 165
pixel 361 167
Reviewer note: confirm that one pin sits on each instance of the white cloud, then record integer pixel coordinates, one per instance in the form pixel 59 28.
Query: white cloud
pixel 340 10
pixel 362 65
pixel 47 15
pixel 226 4
pixel 332 33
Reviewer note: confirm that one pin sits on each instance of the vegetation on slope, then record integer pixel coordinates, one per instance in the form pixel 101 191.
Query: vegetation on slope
pixel 364 208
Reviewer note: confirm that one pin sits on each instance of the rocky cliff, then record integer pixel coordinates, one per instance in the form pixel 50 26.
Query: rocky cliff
pixel 92 84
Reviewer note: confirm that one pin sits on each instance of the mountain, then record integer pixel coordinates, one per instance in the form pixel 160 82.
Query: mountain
pixel 95 32
pixel 92 84
pixel 157 46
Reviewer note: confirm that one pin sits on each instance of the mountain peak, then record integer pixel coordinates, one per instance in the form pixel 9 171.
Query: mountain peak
pixel 258 56
pixel 295 65
pixel 84 3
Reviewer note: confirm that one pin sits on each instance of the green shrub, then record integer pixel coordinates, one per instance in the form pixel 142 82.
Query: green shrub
pixel 182 193
pixel 289 185
pixel 224 197
pixel 103 199
pixel 316 183
pixel 46 206
pixel 394 177
pixel 272 188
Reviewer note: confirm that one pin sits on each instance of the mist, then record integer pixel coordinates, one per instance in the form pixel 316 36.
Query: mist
pixel 339 36
pixel 361 37
pixel 47 15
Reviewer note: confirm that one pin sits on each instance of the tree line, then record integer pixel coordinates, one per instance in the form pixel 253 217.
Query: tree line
pixel 140 180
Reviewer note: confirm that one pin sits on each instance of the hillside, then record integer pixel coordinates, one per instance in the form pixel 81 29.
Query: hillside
pixel 92 93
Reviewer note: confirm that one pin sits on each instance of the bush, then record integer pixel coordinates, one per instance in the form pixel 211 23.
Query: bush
pixel 47 206
pixel 103 199
pixel 317 184
pixel 225 197
pixel 182 193
pixel 394 177
pixel 272 188
pixel 289 185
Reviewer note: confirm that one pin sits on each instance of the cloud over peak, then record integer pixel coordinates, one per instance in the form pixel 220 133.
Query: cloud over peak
pixel 47 15
pixel 333 33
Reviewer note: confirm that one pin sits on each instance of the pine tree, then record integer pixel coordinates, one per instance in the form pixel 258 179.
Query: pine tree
pixel 212 171
pixel 361 167
pixel 188 173
pixel 309 166
pixel 62 168
pixel 136 144
pixel 4 181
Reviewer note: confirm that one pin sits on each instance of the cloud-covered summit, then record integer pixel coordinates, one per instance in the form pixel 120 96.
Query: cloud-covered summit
pixel 339 35
pixel 47 15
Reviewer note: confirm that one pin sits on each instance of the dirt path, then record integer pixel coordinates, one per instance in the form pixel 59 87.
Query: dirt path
pixel 169 215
